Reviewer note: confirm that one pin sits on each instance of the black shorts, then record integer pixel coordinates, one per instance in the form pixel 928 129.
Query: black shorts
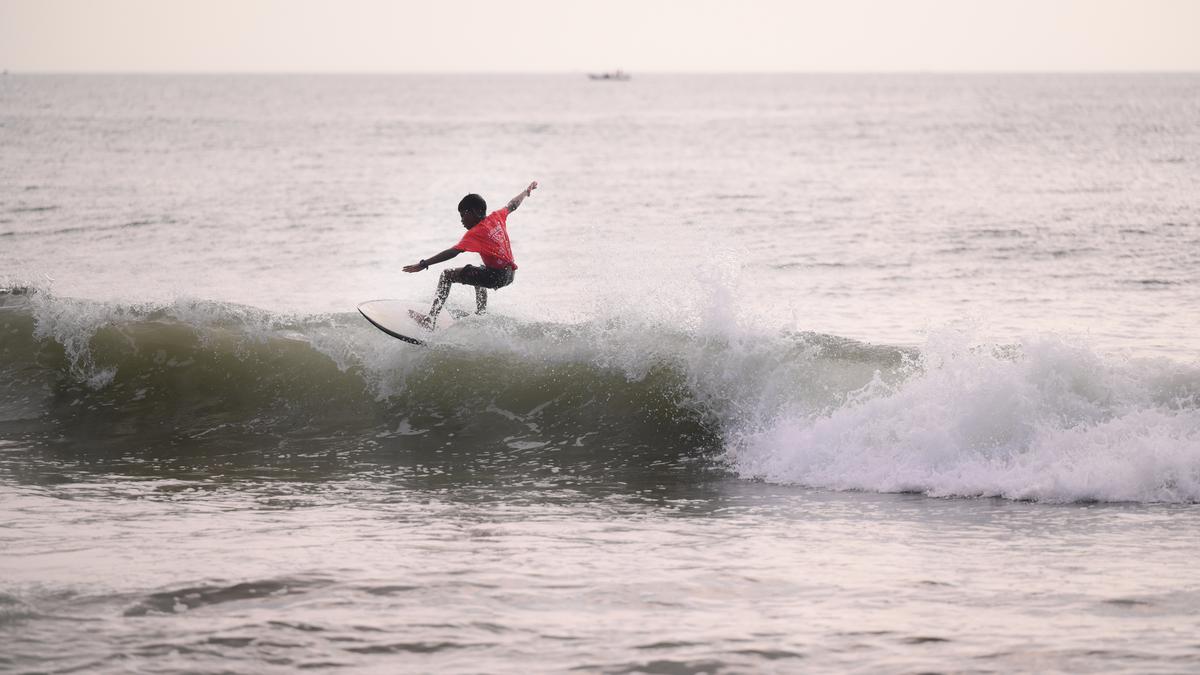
pixel 486 277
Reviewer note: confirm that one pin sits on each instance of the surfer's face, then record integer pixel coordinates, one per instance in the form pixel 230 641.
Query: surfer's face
pixel 470 218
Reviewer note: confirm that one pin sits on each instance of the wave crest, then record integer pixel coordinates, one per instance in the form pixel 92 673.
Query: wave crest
pixel 1045 419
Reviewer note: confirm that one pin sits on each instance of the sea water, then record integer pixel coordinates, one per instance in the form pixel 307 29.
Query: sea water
pixel 799 372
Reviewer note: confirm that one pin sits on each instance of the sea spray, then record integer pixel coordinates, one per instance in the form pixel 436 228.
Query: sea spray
pixel 1049 420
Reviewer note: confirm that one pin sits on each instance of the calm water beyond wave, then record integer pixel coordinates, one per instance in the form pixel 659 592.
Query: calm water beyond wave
pixel 799 373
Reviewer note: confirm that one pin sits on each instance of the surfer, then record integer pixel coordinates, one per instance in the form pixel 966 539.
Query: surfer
pixel 486 235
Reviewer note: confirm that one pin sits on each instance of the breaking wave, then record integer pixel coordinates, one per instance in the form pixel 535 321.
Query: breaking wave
pixel 1045 419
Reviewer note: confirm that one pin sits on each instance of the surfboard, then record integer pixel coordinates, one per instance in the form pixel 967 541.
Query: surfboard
pixel 423 319
pixel 389 316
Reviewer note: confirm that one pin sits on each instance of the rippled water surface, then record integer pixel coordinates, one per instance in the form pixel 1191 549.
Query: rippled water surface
pixel 248 575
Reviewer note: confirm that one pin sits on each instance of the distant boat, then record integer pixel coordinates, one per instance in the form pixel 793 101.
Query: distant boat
pixel 616 75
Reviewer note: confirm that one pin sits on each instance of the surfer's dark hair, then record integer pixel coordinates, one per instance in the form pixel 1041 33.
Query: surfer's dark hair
pixel 473 202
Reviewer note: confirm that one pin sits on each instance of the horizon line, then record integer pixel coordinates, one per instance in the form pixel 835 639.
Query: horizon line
pixel 1131 71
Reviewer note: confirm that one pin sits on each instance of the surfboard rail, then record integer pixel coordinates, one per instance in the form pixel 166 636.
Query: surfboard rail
pixel 386 315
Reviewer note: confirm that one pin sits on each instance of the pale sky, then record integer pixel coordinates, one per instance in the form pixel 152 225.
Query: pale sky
pixel 585 35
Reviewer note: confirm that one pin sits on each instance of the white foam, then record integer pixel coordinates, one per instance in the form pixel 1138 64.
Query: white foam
pixel 1052 421
pixel 73 323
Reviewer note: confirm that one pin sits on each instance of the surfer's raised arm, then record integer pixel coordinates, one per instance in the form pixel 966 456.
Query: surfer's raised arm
pixel 424 264
pixel 516 201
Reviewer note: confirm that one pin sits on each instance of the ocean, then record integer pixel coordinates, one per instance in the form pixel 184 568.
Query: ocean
pixel 799 373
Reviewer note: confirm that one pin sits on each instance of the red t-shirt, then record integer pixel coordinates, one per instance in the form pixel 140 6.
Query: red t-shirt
pixel 489 238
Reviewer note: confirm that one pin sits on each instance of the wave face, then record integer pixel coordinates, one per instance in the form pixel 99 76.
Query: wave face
pixel 210 387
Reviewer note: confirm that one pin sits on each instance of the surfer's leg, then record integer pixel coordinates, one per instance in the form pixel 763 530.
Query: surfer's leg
pixel 443 291
pixel 483 278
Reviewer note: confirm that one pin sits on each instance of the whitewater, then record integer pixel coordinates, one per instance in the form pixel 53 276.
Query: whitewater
pixel 800 372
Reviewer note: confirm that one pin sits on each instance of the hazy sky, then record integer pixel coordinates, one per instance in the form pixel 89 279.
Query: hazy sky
pixel 565 35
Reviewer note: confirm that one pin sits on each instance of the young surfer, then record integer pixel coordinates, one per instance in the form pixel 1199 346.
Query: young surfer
pixel 487 236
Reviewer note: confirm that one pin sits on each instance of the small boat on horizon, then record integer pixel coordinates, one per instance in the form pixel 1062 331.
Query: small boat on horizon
pixel 616 75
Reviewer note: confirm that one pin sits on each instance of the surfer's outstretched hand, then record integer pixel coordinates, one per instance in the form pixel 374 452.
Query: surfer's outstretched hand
pixel 516 201
pixel 441 257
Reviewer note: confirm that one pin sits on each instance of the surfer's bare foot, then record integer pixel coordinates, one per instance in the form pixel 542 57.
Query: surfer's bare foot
pixel 422 320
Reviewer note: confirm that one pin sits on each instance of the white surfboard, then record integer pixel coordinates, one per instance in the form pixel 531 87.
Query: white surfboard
pixel 391 317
